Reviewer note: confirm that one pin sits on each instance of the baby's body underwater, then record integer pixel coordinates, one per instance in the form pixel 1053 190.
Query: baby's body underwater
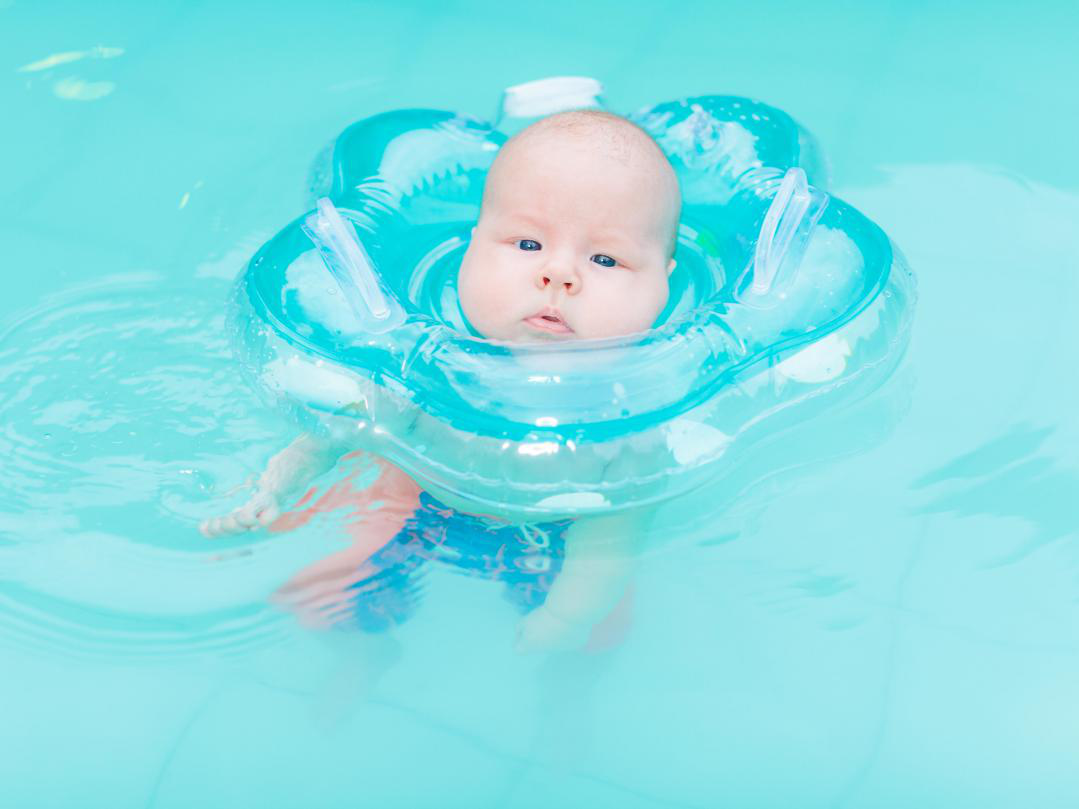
pixel 362 316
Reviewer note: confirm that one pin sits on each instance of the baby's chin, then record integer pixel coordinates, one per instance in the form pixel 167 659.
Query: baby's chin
pixel 524 334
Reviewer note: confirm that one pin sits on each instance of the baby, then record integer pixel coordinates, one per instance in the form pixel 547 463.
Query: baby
pixel 575 240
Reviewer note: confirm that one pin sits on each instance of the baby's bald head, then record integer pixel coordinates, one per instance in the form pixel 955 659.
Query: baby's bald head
pixel 609 137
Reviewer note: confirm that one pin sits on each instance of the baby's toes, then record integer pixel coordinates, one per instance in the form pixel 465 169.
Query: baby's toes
pixel 266 515
pixel 224 526
pixel 211 528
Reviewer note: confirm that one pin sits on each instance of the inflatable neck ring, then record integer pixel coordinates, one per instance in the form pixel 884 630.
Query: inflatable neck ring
pixel 784 301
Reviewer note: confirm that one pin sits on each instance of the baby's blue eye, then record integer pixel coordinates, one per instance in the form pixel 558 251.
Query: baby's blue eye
pixel 604 261
pixel 528 244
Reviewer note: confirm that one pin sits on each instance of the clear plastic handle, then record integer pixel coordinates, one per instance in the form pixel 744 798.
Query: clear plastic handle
pixel 349 264
pixel 795 209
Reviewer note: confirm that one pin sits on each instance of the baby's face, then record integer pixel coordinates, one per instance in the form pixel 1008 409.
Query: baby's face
pixel 574 241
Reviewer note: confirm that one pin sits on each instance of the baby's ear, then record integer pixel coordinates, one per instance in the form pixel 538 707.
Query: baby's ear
pixel 671 266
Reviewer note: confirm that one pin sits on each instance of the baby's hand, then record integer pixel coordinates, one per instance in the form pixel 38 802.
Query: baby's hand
pixel 258 512
pixel 544 631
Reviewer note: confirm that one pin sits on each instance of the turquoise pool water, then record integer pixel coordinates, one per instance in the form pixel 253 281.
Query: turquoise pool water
pixel 882 612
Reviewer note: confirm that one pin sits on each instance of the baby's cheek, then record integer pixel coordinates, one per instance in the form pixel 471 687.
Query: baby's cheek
pixel 483 300
pixel 636 310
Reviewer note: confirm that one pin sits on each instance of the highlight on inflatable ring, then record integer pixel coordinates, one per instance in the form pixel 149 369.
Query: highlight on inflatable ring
pixel 785 300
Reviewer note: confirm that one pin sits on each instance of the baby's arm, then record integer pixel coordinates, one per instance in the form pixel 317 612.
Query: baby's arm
pixel 600 556
pixel 289 470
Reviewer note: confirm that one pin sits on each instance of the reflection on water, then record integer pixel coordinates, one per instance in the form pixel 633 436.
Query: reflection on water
pixel 1008 476
pixel 1022 440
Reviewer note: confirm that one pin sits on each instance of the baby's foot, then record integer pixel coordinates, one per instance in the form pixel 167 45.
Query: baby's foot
pixel 544 631
pixel 258 512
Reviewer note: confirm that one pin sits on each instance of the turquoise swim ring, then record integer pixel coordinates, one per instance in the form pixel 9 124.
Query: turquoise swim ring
pixel 784 300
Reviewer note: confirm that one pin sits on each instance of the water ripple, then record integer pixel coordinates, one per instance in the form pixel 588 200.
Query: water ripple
pixel 123 423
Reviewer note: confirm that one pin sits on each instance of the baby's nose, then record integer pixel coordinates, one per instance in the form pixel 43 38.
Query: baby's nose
pixel 560 276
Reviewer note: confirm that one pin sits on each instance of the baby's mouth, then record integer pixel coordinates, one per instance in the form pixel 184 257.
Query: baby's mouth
pixel 549 320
